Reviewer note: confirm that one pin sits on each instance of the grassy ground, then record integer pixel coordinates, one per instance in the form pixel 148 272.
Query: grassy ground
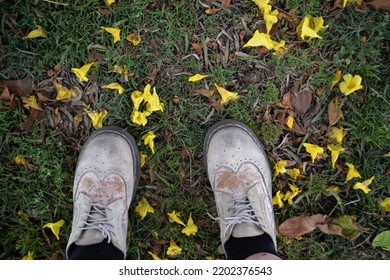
pixel 356 41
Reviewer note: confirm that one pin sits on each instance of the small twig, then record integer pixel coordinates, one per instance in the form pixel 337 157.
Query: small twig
pixel 26 52
pixel 57 3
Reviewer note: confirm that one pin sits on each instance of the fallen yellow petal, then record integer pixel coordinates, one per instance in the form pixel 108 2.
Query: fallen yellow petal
pixel 143 208
pixel 293 173
pixel 81 73
pixel 278 199
pixel 154 256
pixel 143 157
pixel 352 172
pixel 226 95
pixel 114 31
pixel 115 86
pixel 36 33
pixel 364 185
pixel 174 217
pixel 280 167
pixel 29 256
pixel 64 93
pixel 139 117
pixel 290 121
pixel 55 227
pixel 97 118
pixel 21 160
pixel 173 249
pixel 291 194
pixel 335 150
pixel 24 216
pixel 148 139
pixel 350 84
pixel 313 150
pixel 337 134
pixel 134 38
pixel 31 102
pixel 109 2
pixel 336 78
pixel 385 204
pixel 260 40
pixel 197 77
pixel 191 228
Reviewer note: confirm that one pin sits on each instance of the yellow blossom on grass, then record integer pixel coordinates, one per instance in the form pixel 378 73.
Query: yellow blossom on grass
pixel 143 157
pixel 36 33
pixel 115 86
pixel 290 121
pixel 387 155
pixel 335 150
pixel 293 173
pixel 364 185
pixel 114 31
pixel 309 27
pixel 350 84
pixel 64 93
pixel 279 47
pixel 352 172
pixel 147 94
pixel 270 17
pixel 134 38
pixel 313 150
pixel 280 167
pixel 191 228
pixel 153 104
pixel 29 256
pixel 278 199
pixel 139 117
pixel 337 134
pixel 143 208
pixel 24 216
pixel 291 194
pixel 109 2
pixel 55 227
pixel 336 78
pixel 173 249
pixel 226 95
pixel 261 3
pixel 21 160
pixel 197 77
pixel 137 99
pixel 174 217
pixel 81 73
pixel 260 40
pixel 97 118
pixel 336 189
pixel 154 256
pixel 148 139
pixel 31 102
pixel 359 2
pixel 385 204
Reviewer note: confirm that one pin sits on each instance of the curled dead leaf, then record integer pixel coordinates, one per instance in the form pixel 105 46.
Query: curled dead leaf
pixel 334 112
pixel 300 225
pixel 380 4
pixel 23 87
pixel 301 101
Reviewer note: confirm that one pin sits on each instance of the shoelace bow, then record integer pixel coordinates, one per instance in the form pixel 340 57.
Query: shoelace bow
pixel 242 213
pixel 97 219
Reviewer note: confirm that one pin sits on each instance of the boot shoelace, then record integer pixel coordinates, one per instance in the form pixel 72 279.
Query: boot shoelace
pixel 97 219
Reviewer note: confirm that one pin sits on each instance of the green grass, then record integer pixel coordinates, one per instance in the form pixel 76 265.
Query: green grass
pixel 165 58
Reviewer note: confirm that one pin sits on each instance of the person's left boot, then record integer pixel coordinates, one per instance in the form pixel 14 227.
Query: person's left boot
pixel 106 178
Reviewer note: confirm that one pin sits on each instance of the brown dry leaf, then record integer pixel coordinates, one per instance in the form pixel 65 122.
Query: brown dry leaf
pixel 345 226
pixel 300 225
pixel 281 118
pixel 204 92
pixel 334 112
pixel 301 101
pixel 380 4
pixel 54 71
pixel 22 87
pixel 286 101
pixel 225 3
pixel 35 115
pixel 7 98
pixel 331 229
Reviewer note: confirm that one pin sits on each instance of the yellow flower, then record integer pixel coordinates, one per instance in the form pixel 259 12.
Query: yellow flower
pixel 359 2
pixel 137 99
pixel 24 216
pixel 293 173
pixel 291 194
pixel 148 139
pixel 337 134
pixel 385 204
pixel 261 3
pixel 63 93
pixel 154 256
pixel 352 172
pixel 55 227
pixel 260 40
pixel 36 33
pixel 197 77
pixel 279 47
pixel 143 157
pixel 335 150
pixel 336 189
pixel 280 167
pixel 21 160
pixel 336 78
pixel 143 208
pixel 147 95
pixel 226 95
pixel 278 199
pixel 97 118
pixel 81 73
pixel 313 150
pixel 290 121
pixel 270 17
pixel 387 155
pixel 350 84
pixel 364 185
pixel 31 102
pixel 173 249
pixel 120 69
pixel 134 38
pixel 175 217
pixel 153 104
pixel 309 27
pixel 115 86
pixel 139 117
pixel 114 31
pixel 29 256
pixel 191 228
pixel 109 2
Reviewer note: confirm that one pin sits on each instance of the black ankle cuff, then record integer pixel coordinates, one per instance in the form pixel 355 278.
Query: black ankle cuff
pixel 100 251
pixel 242 248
